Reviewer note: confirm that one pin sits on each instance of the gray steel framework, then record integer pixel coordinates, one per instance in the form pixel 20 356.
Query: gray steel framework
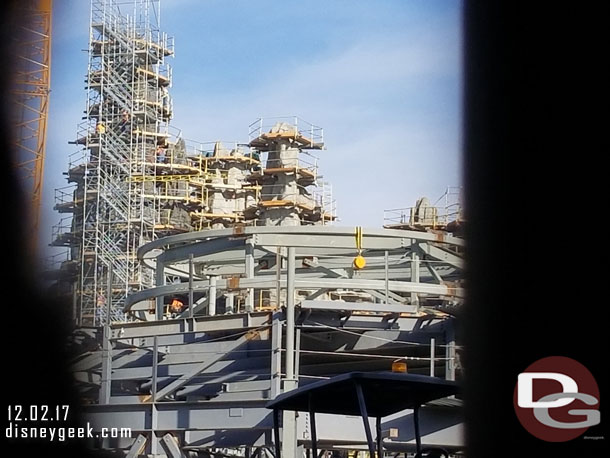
pixel 204 376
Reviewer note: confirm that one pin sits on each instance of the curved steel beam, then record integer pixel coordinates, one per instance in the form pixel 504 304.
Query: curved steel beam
pixel 308 283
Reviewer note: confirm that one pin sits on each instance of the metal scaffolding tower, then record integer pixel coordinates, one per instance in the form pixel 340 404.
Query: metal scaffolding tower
pixel 125 138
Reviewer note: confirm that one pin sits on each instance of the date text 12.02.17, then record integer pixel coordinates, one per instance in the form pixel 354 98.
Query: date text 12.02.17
pixel 38 413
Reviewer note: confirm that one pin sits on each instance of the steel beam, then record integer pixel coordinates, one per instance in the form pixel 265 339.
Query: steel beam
pixel 442 255
pixel 203 324
pixel 333 233
pixel 183 380
pixel 176 416
pixel 359 306
pixel 171 445
pixel 306 283
pixel 137 447
pixel 201 249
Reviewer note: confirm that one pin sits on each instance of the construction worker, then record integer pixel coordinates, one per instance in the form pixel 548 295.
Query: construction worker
pixel 176 307
pixel 162 150
pixel 124 120
pixel 161 154
pixel 101 300
pixel 100 128
pixel 256 155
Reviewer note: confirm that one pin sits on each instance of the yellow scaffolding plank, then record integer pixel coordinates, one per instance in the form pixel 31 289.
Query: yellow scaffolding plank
pixel 298 170
pixel 215 215
pixel 285 203
pixel 225 158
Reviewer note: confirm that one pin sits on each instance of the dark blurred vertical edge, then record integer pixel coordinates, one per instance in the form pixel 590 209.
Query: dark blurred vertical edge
pixel 34 364
pixel 536 141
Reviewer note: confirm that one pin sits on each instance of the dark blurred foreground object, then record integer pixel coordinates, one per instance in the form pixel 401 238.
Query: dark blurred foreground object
pixel 536 104
pixel 35 329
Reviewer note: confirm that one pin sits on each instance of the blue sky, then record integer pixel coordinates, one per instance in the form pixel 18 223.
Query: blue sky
pixel 383 78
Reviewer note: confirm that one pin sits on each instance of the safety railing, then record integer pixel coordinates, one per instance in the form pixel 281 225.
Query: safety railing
pixel 222 148
pixel 65 196
pixel 297 196
pixel 300 127
pixel 62 232
pixel 56 260
pixel 176 190
pixel 305 165
pixel 433 217
pixel 323 195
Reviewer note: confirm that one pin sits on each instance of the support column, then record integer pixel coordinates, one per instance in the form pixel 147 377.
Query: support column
pixel 106 381
pixel 278 278
pixel 414 276
pixel 212 296
pixel 314 432
pixel 160 281
pixel 450 349
pixel 154 443
pixel 250 273
pixel 230 303
pixel 365 419
pixel 289 430
pixel 432 361
pixel 290 314
pixel 154 440
pixel 276 355
pixel 191 273
pixel 386 277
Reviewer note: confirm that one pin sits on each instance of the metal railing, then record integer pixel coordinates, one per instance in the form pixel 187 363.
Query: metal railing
pixel 433 217
pixel 55 261
pixel 306 163
pixel 425 215
pixel 300 127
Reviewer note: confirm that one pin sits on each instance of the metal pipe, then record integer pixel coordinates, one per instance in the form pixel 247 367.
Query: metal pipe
pixel 290 314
